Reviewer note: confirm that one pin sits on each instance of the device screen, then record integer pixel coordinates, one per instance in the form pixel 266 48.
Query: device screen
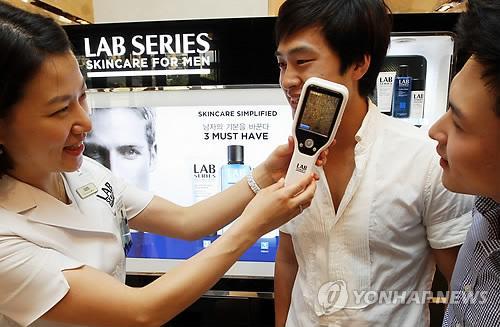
pixel 320 111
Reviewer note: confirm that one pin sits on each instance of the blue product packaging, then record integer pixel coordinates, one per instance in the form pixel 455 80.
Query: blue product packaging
pixel 402 93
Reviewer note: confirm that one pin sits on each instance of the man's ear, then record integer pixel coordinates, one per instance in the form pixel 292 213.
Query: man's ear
pixel 360 68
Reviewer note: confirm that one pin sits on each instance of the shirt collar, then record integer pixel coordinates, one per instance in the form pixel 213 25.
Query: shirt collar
pixel 19 197
pixel 15 195
pixel 485 205
pixel 490 210
pixel 366 132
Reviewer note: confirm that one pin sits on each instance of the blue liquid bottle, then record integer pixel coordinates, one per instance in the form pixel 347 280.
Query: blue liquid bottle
pixel 402 93
pixel 235 169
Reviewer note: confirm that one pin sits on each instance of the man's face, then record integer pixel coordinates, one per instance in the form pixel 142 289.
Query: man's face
pixel 469 136
pixel 306 54
pixel 118 141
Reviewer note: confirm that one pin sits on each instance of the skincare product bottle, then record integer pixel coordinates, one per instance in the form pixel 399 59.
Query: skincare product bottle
pixel 402 93
pixel 417 101
pixel 385 87
pixel 235 168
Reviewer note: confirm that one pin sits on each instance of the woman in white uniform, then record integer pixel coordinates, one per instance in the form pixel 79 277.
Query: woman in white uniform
pixel 63 217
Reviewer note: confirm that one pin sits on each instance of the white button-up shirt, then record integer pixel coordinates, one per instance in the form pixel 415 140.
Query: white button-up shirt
pixel 41 236
pixel 394 210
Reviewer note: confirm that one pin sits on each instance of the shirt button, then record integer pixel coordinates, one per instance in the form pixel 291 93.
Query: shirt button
pixel 467 288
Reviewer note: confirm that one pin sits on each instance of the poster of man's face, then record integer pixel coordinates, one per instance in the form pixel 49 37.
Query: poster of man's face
pixel 188 163
pixel 123 140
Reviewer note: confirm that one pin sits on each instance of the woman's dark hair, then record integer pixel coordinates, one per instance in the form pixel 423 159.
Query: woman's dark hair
pixel 352 28
pixel 25 41
pixel 478 34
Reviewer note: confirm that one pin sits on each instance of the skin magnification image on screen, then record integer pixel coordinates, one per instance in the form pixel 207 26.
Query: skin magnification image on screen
pixel 319 112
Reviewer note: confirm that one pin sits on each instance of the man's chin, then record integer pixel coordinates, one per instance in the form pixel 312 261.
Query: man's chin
pixel 449 183
pixel 455 186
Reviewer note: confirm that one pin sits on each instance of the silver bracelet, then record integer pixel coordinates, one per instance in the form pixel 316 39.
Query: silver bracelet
pixel 252 183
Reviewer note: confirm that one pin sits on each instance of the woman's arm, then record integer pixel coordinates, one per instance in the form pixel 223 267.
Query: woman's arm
pixel 166 218
pixel 97 299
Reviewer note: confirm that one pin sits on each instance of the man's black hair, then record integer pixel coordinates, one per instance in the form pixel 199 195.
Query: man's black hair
pixel 352 28
pixel 478 34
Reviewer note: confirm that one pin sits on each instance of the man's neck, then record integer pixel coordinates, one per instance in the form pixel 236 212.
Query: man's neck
pixel 341 160
pixel 354 113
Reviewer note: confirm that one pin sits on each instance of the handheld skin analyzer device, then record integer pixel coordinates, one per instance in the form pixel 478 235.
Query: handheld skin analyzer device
pixel 317 118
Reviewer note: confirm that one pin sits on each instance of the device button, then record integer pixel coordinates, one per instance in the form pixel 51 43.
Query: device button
pixel 309 143
pixel 301 145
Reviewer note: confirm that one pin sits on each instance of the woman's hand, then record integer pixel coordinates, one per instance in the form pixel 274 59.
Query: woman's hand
pixel 276 205
pixel 276 164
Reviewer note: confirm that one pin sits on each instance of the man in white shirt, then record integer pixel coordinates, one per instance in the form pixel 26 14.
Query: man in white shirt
pixel 364 253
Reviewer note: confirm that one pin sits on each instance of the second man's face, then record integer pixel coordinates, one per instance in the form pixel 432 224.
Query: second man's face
pixel 469 135
pixel 305 54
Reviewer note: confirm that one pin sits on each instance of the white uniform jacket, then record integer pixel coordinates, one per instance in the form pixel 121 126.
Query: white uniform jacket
pixel 41 236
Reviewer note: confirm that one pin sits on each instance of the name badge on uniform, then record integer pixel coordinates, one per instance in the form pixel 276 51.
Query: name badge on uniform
pixel 126 237
pixel 86 190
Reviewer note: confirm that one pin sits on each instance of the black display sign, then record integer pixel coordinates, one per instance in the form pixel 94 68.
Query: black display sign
pixel 237 51
pixel 177 53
